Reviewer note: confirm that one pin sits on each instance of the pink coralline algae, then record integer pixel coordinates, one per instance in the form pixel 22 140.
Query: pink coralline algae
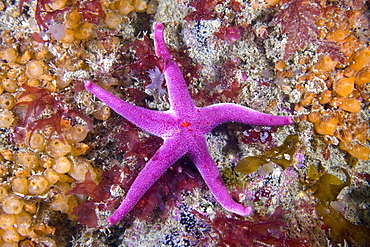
pixel 230 34
pixel 183 128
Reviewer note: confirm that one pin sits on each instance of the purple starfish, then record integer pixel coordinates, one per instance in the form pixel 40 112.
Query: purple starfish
pixel 183 128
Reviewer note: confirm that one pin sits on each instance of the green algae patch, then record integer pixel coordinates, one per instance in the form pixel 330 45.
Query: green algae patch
pixel 313 173
pixel 327 189
pixel 342 229
pixel 329 186
pixel 282 156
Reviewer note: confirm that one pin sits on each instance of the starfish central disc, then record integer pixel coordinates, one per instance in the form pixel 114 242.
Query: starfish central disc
pixel 185 124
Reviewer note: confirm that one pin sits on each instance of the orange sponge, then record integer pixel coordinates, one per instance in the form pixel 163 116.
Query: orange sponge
pixel 338 35
pixel 360 59
pixel 363 76
pixel 344 86
pixel 324 64
pixel 327 125
pixel 351 104
pixel 357 150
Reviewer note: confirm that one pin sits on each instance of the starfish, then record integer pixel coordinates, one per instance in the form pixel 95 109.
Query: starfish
pixel 183 128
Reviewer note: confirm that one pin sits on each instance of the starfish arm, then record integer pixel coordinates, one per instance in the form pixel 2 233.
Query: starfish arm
pixel 165 156
pixel 154 122
pixel 178 92
pixel 226 112
pixel 209 171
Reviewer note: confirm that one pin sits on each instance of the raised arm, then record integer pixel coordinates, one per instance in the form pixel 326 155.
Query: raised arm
pixel 178 92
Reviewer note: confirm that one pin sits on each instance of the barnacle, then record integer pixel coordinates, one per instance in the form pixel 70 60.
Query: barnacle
pixel 113 19
pixel 6 118
pixel 83 31
pixel 72 18
pixel 20 185
pixel 62 165
pixel 102 112
pixel 77 133
pixel 12 204
pixel 28 160
pixel 57 148
pixel 7 101
pixel 34 68
pixel 37 185
pixel 9 54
